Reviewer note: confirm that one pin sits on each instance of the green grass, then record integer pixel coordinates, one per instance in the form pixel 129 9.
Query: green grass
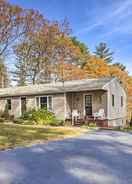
pixel 128 129
pixel 21 135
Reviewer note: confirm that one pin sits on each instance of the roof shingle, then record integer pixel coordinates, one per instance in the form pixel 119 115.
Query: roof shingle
pixel 56 87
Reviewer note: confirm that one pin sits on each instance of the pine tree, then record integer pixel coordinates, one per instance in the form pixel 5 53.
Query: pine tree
pixel 20 73
pixel 4 77
pixel 103 52
pixel 120 65
pixel 81 45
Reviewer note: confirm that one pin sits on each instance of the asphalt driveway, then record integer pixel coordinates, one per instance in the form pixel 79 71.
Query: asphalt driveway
pixel 104 157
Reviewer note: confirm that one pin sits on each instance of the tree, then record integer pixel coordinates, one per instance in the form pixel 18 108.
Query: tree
pixel 120 65
pixel 73 72
pixel 96 67
pixel 34 54
pixel 4 78
pixel 103 52
pixel 68 52
pixel 15 24
pixel 83 48
pixel 20 73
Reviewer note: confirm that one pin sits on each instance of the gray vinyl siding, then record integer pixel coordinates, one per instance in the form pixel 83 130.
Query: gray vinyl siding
pixel 117 113
pixel 30 103
pixel 15 106
pixel 59 106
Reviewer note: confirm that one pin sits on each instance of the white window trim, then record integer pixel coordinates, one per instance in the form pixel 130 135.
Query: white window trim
pixel 47 101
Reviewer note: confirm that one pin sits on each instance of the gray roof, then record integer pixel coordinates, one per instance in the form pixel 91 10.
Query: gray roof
pixel 56 87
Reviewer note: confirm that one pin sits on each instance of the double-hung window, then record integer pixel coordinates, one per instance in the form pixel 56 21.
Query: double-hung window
pixel 45 102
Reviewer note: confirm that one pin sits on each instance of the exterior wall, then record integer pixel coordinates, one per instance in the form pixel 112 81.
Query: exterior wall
pixel 117 113
pixel 77 101
pixel 59 106
pixel 30 103
pixel 15 107
pixel 2 104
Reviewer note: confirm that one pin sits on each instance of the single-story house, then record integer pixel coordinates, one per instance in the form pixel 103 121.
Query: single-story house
pixel 86 97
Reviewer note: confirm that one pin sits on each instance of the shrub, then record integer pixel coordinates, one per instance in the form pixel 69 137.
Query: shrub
pixel 39 117
pixel 43 117
pixel 27 115
pixel 92 125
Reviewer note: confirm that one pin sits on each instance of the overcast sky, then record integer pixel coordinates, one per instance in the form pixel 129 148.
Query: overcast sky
pixel 93 21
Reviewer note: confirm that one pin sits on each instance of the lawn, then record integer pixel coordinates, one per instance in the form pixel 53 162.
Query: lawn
pixel 21 135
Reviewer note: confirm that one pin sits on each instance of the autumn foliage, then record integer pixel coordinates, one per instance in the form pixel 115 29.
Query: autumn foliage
pixel 44 51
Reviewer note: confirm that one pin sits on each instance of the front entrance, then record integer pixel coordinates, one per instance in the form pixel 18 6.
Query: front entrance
pixel 88 105
pixel 23 105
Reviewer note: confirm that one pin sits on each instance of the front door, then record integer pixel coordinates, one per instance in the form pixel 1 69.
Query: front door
pixel 23 105
pixel 88 105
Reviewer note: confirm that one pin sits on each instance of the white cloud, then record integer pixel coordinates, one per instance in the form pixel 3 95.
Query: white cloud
pixel 116 15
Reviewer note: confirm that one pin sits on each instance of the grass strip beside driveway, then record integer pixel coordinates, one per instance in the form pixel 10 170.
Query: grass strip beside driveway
pixel 21 135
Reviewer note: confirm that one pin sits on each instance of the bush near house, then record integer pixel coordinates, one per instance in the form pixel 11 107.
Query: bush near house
pixel 39 117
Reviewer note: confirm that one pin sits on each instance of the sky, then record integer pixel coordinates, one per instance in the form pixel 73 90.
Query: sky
pixel 92 22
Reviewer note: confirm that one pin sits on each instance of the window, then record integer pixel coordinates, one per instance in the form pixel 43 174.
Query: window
pixel 44 102
pixel 9 104
pixel 113 100
pixel 121 101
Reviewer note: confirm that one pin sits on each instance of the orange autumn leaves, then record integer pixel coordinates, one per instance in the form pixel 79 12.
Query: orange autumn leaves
pixel 94 68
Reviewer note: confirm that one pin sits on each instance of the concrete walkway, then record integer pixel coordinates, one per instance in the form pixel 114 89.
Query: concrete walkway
pixel 104 157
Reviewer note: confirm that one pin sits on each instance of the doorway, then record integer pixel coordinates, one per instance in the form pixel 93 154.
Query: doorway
pixel 88 105
pixel 23 105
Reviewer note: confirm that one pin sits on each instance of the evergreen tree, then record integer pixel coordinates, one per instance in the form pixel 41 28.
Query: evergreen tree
pixel 20 73
pixel 4 78
pixel 120 65
pixel 103 52
pixel 81 45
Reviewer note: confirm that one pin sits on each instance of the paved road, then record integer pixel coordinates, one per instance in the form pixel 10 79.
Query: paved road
pixel 104 157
